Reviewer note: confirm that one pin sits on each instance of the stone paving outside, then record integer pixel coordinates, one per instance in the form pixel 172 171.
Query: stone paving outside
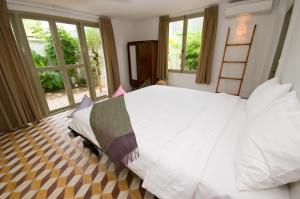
pixel 59 99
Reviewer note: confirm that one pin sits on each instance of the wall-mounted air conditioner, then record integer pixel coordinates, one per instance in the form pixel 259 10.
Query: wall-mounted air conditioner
pixel 238 7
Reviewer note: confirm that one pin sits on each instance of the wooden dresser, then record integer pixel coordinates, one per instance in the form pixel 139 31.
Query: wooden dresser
pixel 142 56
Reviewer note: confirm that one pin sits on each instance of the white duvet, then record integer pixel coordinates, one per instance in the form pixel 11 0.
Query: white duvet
pixel 182 136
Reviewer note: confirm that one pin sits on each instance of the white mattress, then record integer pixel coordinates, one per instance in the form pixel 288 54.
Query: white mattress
pixel 160 115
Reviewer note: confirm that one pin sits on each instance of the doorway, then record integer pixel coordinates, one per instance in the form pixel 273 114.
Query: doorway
pixel 66 57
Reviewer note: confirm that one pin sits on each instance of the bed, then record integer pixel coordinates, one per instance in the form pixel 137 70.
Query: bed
pixel 186 155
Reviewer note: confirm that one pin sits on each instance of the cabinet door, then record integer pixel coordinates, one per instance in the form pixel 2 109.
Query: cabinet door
pixel 144 65
pixel 154 49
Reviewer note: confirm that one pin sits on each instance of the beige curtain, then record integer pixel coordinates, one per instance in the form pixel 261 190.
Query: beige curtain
pixel 163 43
pixel 110 54
pixel 209 33
pixel 18 102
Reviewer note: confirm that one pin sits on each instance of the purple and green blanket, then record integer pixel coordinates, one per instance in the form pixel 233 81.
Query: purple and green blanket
pixel 111 125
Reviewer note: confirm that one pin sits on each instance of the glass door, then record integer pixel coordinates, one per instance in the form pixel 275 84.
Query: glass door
pixel 73 58
pixel 46 62
pixel 96 60
pixel 67 57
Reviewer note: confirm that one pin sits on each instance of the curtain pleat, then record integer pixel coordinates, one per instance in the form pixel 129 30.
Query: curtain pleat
pixel 110 54
pixel 163 44
pixel 18 102
pixel 209 33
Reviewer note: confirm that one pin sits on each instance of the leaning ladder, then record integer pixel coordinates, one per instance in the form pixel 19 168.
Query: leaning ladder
pixel 249 45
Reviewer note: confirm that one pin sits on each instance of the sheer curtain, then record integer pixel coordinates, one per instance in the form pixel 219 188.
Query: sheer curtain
pixel 18 102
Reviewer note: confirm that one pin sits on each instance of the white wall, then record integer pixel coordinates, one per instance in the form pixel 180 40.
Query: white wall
pixel 289 65
pixel 268 30
pixel 43 9
pixel 128 31
pixel 265 42
pixel 145 30
pixel 122 33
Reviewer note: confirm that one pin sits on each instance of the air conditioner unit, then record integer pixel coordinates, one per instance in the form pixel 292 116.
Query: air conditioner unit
pixel 238 7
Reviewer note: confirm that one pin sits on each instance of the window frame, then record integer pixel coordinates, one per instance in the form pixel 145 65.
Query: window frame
pixel 17 17
pixel 185 19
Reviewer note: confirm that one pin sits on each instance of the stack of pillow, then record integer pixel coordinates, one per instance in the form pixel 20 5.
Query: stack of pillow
pixel 270 154
pixel 87 101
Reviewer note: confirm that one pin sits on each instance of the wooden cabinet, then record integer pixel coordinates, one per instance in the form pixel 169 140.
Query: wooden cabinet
pixel 142 56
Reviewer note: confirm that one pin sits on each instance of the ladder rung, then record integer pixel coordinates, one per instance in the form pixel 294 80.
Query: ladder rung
pixel 241 44
pixel 234 62
pixel 231 78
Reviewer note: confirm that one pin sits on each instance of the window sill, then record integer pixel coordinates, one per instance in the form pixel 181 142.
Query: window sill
pixel 184 72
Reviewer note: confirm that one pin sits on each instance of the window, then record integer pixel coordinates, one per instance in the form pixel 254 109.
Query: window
pixel 185 43
pixel 96 57
pixel 65 56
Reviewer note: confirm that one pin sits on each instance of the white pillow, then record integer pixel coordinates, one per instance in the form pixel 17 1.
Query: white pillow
pixel 270 156
pixel 264 95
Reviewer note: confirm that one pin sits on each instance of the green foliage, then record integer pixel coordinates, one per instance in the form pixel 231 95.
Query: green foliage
pixel 49 49
pixel 51 81
pixel 82 82
pixel 37 30
pixel 92 38
pixel 72 72
pixel 69 46
pixel 192 48
pixel 94 42
pixel 79 80
pixel 192 51
pixel 175 41
pixel 39 60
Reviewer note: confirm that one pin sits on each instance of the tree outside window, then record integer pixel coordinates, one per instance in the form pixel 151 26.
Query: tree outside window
pixel 187 30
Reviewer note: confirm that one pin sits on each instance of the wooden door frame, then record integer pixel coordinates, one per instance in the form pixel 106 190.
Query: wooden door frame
pixel 17 24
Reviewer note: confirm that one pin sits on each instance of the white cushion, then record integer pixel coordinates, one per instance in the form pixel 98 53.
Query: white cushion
pixel 270 156
pixel 264 95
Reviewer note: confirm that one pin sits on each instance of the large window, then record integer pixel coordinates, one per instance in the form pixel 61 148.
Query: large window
pixel 185 43
pixel 65 56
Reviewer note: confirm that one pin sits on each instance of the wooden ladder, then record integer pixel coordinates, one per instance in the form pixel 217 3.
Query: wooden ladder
pixel 235 62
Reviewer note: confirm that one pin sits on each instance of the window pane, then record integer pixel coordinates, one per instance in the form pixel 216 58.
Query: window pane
pixel 175 44
pixel 40 41
pixel 97 62
pixel 78 83
pixel 193 43
pixel 54 90
pixel 69 42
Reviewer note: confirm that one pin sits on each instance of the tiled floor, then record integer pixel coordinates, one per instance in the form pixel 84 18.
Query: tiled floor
pixel 42 161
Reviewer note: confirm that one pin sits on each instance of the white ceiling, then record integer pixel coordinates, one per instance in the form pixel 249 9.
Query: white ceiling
pixel 128 9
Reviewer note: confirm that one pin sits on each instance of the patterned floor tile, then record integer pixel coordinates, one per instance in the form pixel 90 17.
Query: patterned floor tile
pixel 43 161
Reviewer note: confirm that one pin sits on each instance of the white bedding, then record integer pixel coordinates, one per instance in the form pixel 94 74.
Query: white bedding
pixel 187 141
